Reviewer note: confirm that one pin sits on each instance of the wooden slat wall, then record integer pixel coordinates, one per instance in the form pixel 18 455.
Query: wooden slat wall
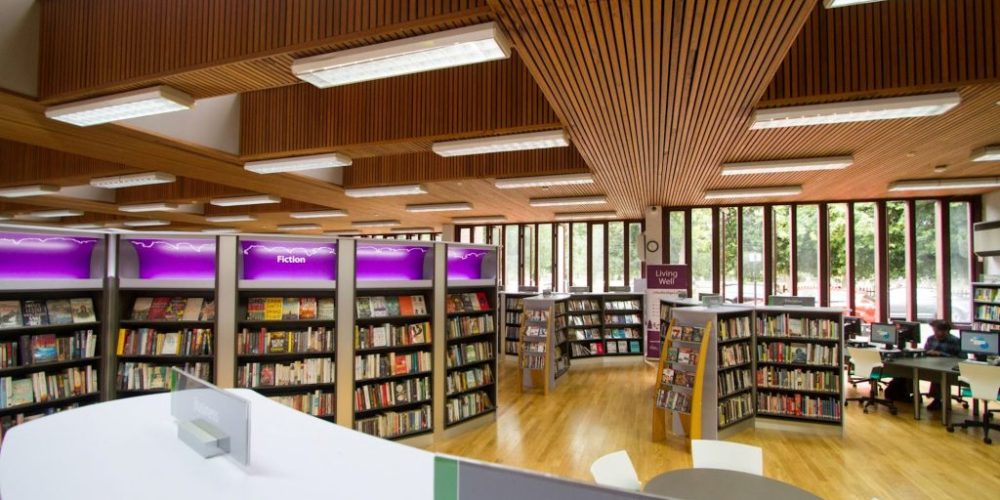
pixel 898 44
pixel 22 163
pixel 101 46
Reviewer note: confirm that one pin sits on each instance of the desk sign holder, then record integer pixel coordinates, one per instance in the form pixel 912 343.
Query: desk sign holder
pixel 210 420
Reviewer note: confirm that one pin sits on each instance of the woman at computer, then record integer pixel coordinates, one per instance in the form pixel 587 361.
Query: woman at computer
pixel 942 343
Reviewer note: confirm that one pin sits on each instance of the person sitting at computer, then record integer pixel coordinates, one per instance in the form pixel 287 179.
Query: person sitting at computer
pixel 942 343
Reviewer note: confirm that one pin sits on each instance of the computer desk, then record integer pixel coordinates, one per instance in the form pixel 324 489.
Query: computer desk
pixel 930 366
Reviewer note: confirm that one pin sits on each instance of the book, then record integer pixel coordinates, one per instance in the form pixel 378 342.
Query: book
pixel 392 306
pixel 171 343
pixel 307 308
pixel 140 308
pixel 290 308
pixel 175 309
pixel 405 305
pixel 378 307
pixel 255 309
pixel 379 337
pixel 326 308
pixel 158 309
pixel 273 307
pixel 83 310
pixel 21 392
pixel 43 348
pixel 484 302
pixel 35 313
pixel 60 311
pixel 10 313
pixel 207 311
pixel 419 306
pixel 277 342
pixel 364 307
pixel 192 309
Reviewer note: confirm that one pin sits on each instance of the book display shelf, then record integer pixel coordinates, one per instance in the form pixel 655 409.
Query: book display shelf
pixel 681 378
pixel 622 324
pixel 286 325
pixel 513 306
pixel 585 326
pixel 986 306
pixel 667 305
pixel 543 354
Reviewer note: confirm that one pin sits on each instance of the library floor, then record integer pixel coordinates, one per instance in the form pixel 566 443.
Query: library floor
pixel 601 409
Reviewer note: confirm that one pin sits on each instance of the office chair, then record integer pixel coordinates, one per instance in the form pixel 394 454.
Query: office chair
pixel 711 454
pixel 868 361
pixel 616 470
pixel 984 384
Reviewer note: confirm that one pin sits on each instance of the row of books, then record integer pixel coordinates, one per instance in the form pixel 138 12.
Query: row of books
pixel 393 393
pixel 585 320
pixel 390 364
pixel 586 334
pixel 372 336
pixel 985 327
pixel 803 380
pixel 622 319
pixel 735 409
pixel 40 387
pixel 734 328
pixel 623 347
pixel 987 294
pixel 535 331
pixel 562 359
pixel 537 315
pixel 687 333
pixel 465 326
pixel 467 405
pixel 290 308
pixel 682 378
pixel 7 422
pixel 734 381
pixel 263 341
pixel 683 355
pixel 512 317
pixel 534 347
pixel 589 349
pixel 622 333
pixel 45 348
pixel 47 312
pixel 299 372
pixel 391 424
pixel 733 354
pixel 463 380
pixel 316 403
pixel 798 353
pixel 799 405
pixel 988 312
pixel 515 304
pixel 622 305
pixel 467 302
pixel 784 325
pixel 173 309
pixel 473 352
pixel 149 342
pixel 144 376
pixel 678 401
pixel 583 305
pixel 382 307
pixel 533 362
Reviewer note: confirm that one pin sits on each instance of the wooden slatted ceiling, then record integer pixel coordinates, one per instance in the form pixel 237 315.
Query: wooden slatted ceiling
pixel 26 164
pixel 214 47
pixel 867 49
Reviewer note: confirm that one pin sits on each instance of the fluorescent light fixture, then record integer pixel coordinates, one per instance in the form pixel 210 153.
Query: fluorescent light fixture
pixel 298 227
pixel 343 232
pixel 220 230
pixel 953 183
pixel 369 192
pixel 544 181
pixel 318 214
pixel 375 223
pixel 132 180
pixel 479 219
pixel 90 225
pixel 444 49
pixel 412 230
pixel 439 207
pixel 231 218
pixel 258 199
pixel 568 200
pixel 502 143
pixel 988 153
pixel 298 163
pixel 146 223
pixel 143 102
pixel 55 214
pixel 149 207
pixel 833 4
pixel 856 111
pixel 791 165
pixel 25 191
pixel 722 194
pixel 610 214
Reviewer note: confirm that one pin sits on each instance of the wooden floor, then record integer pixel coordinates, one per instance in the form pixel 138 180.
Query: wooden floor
pixel 601 409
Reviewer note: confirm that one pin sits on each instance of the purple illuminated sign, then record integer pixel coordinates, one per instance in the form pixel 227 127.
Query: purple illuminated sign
pixel 175 258
pixel 390 262
pixel 45 256
pixel 466 263
pixel 289 260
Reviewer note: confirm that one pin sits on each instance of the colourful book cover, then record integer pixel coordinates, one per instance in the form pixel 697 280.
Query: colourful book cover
pixel 484 301
pixel 21 393
pixel 158 309
pixel 378 307
pixel 419 305
pixel 140 309
pixel 392 306
pixel 273 308
pixel 326 308
pixel 405 305
pixel 364 307
pixel 277 342
pixel 60 311
pixel 207 311
pixel 175 309
pixel 307 308
pixel 10 313
pixel 43 348
pixel 35 313
pixel 192 308
pixel 290 308
pixel 83 310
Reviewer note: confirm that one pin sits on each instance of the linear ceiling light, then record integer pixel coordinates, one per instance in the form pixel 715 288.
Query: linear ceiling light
pixel 444 49
pixel 132 180
pixel 149 207
pixel 502 143
pixel 412 230
pixel 568 200
pixel 988 153
pixel 25 191
pixel 721 194
pixel 833 4
pixel 479 219
pixel 231 218
pixel 375 223
pixel 235 201
pixel 298 163
pixel 439 207
pixel 385 191
pixel 544 181
pixel 610 214
pixel 318 214
pixel 298 227
pixel 954 183
pixel 146 223
pixel 88 225
pixel 856 111
pixel 220 230
pixel 792 165
pixel 343 232
pixel 143 102
pixel 54 214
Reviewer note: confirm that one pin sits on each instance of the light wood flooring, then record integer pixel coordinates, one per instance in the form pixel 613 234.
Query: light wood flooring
pixel 600 409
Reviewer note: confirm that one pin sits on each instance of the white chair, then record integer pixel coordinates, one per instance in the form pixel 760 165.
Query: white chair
pixel 616 470
pixel 711 454
pixel 984 383
pixel 868 365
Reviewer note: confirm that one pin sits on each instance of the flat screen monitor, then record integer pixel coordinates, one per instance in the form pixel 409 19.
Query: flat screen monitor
pixel 884 333
pixel 908 331
pixel 980 344
pixel 852 326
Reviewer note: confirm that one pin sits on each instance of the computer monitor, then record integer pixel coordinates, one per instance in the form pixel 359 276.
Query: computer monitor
pixel 980 344
pixel 884 333
pixel 907 331
pixel 852 327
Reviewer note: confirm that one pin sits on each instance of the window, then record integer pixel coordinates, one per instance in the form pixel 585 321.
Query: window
pixel 597 257
pixel 544 256
pixel 837 255
pixel 729 239
pixel 864 262
pixel 497 233
pixel 634 252
pixel 479 234
pixel 510 258
pixel 616 254
pixel 807 250
pixel 465 235
pixel 579 250
pixel 753 255
pixel 899 297
pixel 781 223
pixel 926 253
pixel 701 250
pixel 563 264
pixel 676 225
pixel 958 239
pixel 528 252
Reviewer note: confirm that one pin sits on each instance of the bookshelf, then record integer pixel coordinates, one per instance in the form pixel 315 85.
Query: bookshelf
pixel 681 378
pixel 986 306
pixel 585 325
pixel 513 306
pixel 622 324
pixel 666 305
pixel 543 356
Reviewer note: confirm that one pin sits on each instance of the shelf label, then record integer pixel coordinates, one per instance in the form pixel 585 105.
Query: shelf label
pixel 289 260
pixel 668 277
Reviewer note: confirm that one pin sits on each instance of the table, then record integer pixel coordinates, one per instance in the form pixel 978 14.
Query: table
pixel 695 484
pixel 936 366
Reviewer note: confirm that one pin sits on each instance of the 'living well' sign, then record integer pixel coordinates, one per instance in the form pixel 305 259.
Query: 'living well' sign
pixel 667 277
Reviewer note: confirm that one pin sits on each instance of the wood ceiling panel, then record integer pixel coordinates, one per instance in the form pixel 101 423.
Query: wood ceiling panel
pixel 27 164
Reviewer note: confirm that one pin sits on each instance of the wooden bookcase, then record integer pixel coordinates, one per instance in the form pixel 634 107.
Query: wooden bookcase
pixel 622 324
pixel 513 306
pixel 585 325
pixel 543 356
pixel 986 306
pixel 471 362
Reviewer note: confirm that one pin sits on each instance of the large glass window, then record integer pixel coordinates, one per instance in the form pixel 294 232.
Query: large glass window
pixel 807 250
pixel 465 235
pixel 563 262
pixel 958 239
pixel 864 262
pixel 497 233
pixel 528 254
pixel 544 256
pixel 616 254
pixel 927 291
pixel 729 239
pixel 579 254
pixel 634 255
pixel 701 250
pixel 479 234
pixel 753 255
pixel 597 246
pixel 676 225
pixel 510 258
pixel 781 224
pixel 899 298
pixel 837 255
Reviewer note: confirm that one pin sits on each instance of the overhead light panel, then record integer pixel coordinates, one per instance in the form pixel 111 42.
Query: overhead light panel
pixel 375 223
pixel 146 223
pixel 220 230
pixel 318 214
pixel 479 219
pixel 439 207
pixel 567 200
pixel 132 180
pixel 55 214
pixel 833 4
pixel 565 216
pixel 343 232
pixel 791 165
pixel 954 183
pixel 444 49
pixel 722 194
pixel 412 230
pixel 89 225
pixel 236 201
pixel 298 227
pixel 856 111
pixel 143 102
pixel 369 192
pixel 502 143
pixel 149 207
pixel 25 191
pixel 231 218
pixel 544 181
pixel 988 153
pixel 298 163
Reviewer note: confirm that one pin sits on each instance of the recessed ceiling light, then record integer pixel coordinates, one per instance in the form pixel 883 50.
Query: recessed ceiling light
pixel 544 181
pixel 369 192
pixel 856 111
pixel 502 143
pixel 953 183
pixel 298 227
pixel 25 191
pixel 439 207
pixel 479 219
pixel 988 153
pixel 833 4
pixel 565 216
pixel 721 194
pixel 375 223
pixel 940 169
pixel 790 165
pixel 143 102
pixel 318 214
pixel 146 223
pixel 231 218
pixel 444 49
pixel 132 180
pixel 567 200
pixel 412 230
pixel 259 199
pixel 149 207
pixel 298 163
pixel 54 214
